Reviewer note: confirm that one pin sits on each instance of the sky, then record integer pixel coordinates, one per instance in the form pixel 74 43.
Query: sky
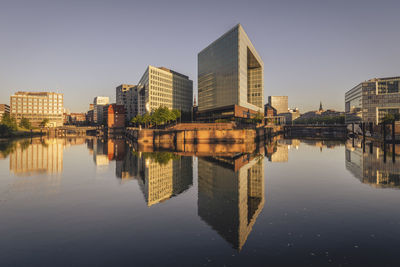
pixel 313 50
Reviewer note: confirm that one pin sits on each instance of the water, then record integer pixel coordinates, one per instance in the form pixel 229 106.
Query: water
pixel 81 202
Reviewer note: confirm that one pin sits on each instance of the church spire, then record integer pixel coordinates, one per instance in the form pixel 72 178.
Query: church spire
pixel 320 106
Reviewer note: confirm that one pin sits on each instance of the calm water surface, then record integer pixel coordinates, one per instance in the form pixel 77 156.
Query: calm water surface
pixel 81 202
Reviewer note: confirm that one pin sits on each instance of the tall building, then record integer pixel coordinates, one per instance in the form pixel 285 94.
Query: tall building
pixel 4 108
pixel 231 195
pixel 230 73
pixel 37 106
pixel 164 87
pixel 280 103
pixel 371 100
pixel 126 94
pixel 98 105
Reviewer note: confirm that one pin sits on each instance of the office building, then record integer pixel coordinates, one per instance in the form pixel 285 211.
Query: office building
pixel 371 100
pixel 164 87
pixel 126 95
pixel 37 106
pixel 98 105
pixel 4 108
pixel 230 73
pixel 280 103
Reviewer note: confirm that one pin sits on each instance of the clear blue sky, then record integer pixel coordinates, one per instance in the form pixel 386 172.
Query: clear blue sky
pixel 312 50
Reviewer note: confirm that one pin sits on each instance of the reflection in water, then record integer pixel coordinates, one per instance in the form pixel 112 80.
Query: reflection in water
pixel 231 195
pixel 163 175
pixel 231 191
pixel 37 156
pixel 370 167
pixel 37 163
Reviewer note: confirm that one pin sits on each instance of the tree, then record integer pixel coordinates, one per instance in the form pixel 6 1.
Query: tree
pixel 44 122
pixel 177 114
pixel 146 119
pixel 9 121
pixel 25 123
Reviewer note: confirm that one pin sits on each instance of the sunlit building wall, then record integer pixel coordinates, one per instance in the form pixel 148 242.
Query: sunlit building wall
pixel 371 100
pixel 164 87
pixel 280 103
pixel 99 103
pixel 230 72
pixel 38 106
pixel 126 94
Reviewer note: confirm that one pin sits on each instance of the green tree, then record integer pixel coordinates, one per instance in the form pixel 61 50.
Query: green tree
pixel 146 119
pixel 9 121
pixel 44 122
pixel 177 114
pixel 25 123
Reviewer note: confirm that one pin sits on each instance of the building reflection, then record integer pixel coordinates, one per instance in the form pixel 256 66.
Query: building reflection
pixel 373 165
pixel 163 175
pixel 30 157
pixel 37 163
pixel 231 195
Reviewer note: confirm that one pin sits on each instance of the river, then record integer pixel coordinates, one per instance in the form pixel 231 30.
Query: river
pixel 94 202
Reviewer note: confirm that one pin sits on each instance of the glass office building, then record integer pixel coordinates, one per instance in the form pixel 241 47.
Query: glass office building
pixel 230 72
pixel 372 100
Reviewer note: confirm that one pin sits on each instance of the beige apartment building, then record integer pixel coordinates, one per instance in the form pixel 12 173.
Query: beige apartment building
pixel 37 106
pixel 160 86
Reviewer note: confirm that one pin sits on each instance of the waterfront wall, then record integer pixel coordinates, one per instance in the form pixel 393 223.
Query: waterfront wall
pixel 316 131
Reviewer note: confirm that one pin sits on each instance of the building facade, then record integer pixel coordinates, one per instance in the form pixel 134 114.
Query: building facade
pixel 114 115
pixel 38 106
pixel 164 87
pixel 280 103
pixel 230 72
pixel 126 95
pixel 4 108
pixel 98 105
pixel 372 100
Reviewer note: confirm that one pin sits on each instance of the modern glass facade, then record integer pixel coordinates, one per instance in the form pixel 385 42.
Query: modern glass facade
pixel 230 72
pixel 372 100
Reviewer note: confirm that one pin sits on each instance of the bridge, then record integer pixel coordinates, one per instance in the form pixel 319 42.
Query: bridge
pixel 71 130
